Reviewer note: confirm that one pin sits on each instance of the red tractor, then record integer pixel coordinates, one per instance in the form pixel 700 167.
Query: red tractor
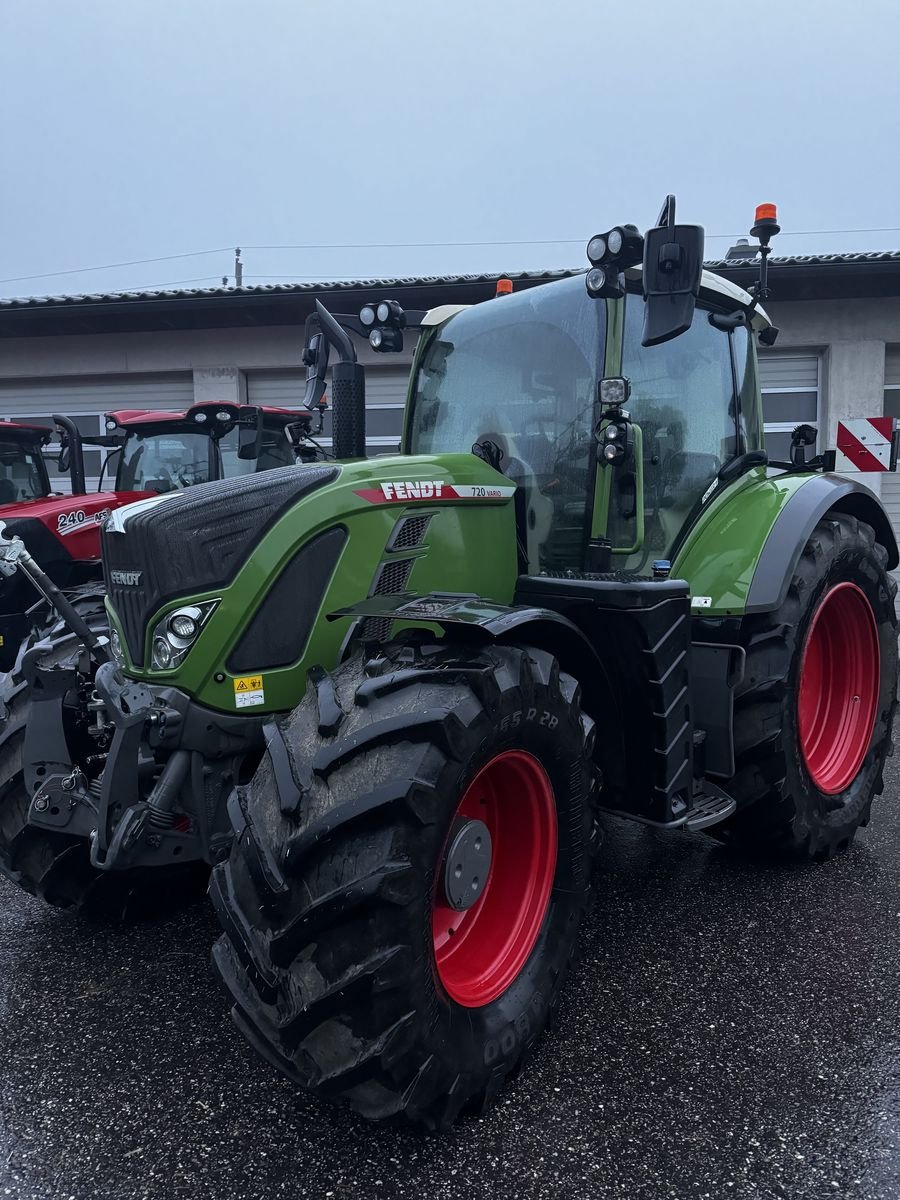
pixel 148 452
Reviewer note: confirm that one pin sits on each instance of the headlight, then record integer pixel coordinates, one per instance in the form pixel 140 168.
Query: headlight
pixel 115 646
pixel 174 635
pixel 184 625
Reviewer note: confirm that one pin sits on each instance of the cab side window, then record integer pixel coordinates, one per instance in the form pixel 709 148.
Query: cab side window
pixel 683 399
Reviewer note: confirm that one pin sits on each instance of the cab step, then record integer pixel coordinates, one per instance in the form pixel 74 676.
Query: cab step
pixel 710 806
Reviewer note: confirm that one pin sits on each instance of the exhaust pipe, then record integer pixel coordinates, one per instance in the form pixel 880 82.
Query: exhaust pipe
pixel 348 391
pixel 76 452
pixel 348 419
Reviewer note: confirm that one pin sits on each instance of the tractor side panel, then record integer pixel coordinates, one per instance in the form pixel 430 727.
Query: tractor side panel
pixel 386 526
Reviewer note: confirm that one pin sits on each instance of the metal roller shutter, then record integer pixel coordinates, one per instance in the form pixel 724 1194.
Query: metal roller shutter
pixel 87 399
pixel 385 401
pixel 790 388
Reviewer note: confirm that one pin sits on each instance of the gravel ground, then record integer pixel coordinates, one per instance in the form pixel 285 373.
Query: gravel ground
pixel 730 1032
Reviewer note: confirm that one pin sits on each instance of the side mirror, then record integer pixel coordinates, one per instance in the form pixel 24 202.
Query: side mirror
pixel 315 359
pixel 250 434
pixel 64 460
pixel 673 262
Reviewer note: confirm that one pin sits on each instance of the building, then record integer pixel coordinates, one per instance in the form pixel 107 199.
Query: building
pixel 838 353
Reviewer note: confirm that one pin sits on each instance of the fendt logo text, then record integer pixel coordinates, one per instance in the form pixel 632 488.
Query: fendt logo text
pixel 421 489
pixel 126 578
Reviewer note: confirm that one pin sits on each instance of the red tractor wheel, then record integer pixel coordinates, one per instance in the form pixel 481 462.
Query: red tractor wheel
pixel 813 716
pixel 406 883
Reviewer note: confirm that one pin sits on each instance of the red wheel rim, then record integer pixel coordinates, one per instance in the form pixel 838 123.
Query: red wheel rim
pixel 840 679
pixel 479 952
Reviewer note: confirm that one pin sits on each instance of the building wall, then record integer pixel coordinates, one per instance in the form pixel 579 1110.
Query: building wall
pixel 217 357
pixel 851 336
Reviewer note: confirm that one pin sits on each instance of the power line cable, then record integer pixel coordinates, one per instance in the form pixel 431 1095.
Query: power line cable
pixel 410 246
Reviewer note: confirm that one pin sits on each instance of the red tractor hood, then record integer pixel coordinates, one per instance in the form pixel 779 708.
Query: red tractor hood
pixel 69 526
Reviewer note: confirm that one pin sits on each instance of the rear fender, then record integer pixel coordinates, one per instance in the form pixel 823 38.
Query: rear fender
pixel 741 553
pixel 793 527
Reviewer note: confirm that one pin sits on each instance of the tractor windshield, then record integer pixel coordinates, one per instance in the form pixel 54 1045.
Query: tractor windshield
pixel 23 474
pixel 162 461
pixel 521 371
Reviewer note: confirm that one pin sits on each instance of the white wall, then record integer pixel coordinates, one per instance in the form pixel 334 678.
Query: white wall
pixel 851 335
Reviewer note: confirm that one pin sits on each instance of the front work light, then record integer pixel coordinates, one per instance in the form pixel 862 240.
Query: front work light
pixel 614 391
pixel 596 249
pixel 367 315
pixel 386 341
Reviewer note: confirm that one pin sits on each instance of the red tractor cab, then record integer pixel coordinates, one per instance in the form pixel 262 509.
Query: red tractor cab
pixel 147 452
pixel 23 471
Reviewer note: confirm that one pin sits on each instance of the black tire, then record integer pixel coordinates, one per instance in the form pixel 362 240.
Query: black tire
pixel 781 811
pixel 326 900
pixel 56 867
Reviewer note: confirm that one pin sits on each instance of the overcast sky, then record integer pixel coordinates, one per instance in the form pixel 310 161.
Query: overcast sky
pixel 137 129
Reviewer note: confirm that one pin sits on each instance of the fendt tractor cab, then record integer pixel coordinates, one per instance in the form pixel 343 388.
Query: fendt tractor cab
pixel 387 700
pixel 147 453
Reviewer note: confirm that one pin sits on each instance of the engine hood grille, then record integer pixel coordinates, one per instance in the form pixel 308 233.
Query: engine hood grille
pixel 193 541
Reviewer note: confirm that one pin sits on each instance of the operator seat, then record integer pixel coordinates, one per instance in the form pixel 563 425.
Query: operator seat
pixel 539 509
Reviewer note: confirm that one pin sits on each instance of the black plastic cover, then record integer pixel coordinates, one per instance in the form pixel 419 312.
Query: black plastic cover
pixel 278 632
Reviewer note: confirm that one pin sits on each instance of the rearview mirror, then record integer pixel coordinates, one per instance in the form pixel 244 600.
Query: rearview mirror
pixel 673 262
pixel 64 459
pixel 250 433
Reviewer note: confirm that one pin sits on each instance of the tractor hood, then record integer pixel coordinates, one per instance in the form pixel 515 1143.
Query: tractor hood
pixel 194 540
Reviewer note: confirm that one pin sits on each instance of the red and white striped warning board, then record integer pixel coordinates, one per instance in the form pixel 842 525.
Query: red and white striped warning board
pixel 865 444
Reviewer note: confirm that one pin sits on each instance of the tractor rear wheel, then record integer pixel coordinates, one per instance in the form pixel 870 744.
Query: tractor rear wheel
pixel 410 868
pixel 56 867
pixel 813 716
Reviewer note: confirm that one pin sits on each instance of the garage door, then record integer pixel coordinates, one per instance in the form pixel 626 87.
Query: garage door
pixel 86 399
pixel 890 483
pixel 385 401
pixel 790 388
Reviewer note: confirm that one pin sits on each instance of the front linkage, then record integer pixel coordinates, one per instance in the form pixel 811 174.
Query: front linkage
pixel 89 728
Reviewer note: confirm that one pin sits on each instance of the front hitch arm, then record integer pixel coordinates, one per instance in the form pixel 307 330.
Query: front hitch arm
pixel 15 557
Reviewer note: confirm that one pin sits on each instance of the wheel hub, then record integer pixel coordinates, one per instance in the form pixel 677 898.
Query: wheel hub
pixel 467 864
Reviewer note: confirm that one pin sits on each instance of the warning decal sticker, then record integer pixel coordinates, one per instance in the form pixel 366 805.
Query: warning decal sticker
pixel 248 691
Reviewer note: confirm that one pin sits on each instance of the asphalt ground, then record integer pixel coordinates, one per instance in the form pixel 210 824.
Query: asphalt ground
pixel 730 1031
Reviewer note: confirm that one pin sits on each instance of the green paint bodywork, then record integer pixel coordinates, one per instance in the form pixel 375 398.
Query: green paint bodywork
pixel 721 552
pixel 470 546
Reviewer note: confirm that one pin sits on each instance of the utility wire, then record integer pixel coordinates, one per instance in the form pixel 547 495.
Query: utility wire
pixel 410 246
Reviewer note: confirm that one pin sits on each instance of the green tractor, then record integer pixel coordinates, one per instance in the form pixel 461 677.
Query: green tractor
pixel 387 700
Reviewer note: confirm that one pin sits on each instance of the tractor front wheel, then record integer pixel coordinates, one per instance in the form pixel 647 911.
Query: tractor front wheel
pixel 813 716
pixel 410 867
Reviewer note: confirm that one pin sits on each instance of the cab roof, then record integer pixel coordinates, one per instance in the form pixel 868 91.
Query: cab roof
pixel 712 286
pixel 155 416
pixel 24 431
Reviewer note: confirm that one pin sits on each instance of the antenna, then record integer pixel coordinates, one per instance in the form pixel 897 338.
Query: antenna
pixel 238 267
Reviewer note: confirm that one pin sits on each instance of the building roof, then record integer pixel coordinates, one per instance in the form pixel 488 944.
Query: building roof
pixel 792 277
